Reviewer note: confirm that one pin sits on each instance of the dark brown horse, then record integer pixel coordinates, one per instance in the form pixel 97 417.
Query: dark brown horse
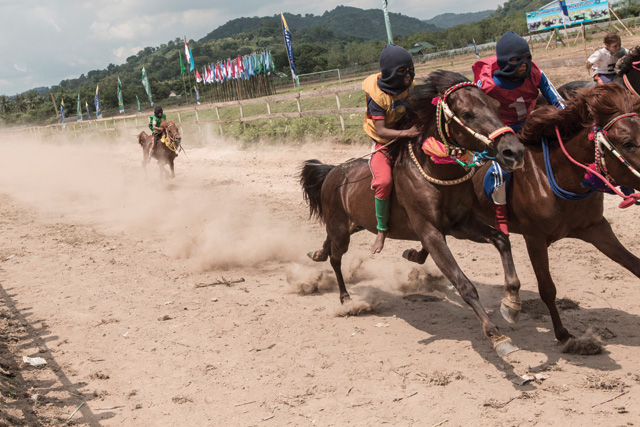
pixel 541 216
pixel 166 152
pixel 429 200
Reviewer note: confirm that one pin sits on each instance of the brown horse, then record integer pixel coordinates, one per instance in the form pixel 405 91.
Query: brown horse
pixel 164 153
pixel 543 217
pixel 429 200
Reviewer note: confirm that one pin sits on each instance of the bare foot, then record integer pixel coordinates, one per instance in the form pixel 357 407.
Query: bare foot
pixel 379 243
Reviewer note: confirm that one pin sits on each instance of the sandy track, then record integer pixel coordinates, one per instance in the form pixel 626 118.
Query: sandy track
pixel 98 272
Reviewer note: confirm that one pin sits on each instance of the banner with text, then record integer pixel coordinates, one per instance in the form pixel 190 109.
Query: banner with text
pixel 579 13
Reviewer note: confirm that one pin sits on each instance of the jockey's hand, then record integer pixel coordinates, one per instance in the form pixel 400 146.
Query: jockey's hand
pixel 157 128
pixel 412 132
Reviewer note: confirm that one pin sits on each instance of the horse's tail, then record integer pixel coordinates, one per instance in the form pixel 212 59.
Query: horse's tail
pixel 312 176
pixel 142 138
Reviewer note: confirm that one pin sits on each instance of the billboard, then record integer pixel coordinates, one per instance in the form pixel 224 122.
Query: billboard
pixel 579 13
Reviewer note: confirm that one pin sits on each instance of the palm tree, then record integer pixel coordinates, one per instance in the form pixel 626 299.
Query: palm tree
pixel 4 104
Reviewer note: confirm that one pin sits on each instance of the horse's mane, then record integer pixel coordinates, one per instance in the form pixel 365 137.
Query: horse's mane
pixel 595 105
pixel 421 111
pixel 625 64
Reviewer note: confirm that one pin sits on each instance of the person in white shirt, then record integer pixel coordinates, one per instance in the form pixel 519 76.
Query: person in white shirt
pixel 603 61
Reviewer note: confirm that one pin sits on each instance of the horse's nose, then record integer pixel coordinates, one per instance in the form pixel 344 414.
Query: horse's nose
pixel 512 154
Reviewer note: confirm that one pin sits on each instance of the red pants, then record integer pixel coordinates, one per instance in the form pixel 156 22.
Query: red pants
pixel 380 165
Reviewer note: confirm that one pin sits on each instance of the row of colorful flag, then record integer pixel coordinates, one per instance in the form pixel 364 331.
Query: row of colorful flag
pixel 96 100
pixel 257 63
pixel 242 67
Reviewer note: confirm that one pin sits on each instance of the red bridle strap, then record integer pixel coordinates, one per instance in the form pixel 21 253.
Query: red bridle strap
pixel 496 133
pixel 628 200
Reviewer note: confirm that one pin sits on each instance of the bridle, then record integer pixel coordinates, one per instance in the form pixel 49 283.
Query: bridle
pixel 444 115
pixel 600 138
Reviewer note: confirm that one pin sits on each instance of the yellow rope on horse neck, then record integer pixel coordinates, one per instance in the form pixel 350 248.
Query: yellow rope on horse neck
pixel 168 143
pixel 436 180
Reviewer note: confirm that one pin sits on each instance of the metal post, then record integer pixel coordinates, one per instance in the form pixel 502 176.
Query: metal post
pixel 341 118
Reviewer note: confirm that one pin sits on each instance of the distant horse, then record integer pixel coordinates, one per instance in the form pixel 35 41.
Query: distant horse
pixel 430 200
pixel 628 76
pixel 166 151
pixel 541 215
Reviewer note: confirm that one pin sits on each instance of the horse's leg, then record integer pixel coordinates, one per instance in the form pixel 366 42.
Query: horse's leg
pixel 475 230
pixel 173 174
pixel 321 255
pixel 539 256
pixel 435 243
pixel 603 238
pixel 339 236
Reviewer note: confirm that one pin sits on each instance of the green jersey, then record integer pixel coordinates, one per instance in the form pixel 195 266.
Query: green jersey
pixel 155 121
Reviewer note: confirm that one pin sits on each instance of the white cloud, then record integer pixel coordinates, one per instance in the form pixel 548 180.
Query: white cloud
pixel 20 67
pixel 122 53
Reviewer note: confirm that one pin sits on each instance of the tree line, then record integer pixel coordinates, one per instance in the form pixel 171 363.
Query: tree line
pixel 315 48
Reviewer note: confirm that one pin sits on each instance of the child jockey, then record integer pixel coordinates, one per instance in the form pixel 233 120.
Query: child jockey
pixel 511 78
pixel 386 94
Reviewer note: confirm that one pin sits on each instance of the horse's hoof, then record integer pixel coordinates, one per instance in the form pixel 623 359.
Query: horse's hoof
pixel 504 347
pixel 413 256
pixel 314 257
pixel 344 298
pixel 510 311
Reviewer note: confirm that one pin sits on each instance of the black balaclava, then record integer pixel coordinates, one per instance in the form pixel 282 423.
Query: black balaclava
pixel 510 46
pixel 157 111
pixel 393 57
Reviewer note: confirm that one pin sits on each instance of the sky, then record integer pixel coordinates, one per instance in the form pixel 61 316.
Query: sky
pixel 47 41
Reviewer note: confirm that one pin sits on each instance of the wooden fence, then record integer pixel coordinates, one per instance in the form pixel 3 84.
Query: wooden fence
pixel 139 121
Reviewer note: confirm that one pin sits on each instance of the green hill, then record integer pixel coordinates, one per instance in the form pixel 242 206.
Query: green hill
pixel 343 20
pixel 447 20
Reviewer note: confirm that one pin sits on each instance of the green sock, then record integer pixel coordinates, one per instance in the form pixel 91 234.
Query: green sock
pixel 382 213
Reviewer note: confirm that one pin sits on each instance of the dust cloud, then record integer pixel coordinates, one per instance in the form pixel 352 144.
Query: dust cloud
pixel 100 182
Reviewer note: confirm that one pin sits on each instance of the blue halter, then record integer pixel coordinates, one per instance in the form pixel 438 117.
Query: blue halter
pixel 563 194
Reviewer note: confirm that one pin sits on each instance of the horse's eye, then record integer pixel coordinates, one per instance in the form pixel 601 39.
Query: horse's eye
pixel 629 146
pixel 468 116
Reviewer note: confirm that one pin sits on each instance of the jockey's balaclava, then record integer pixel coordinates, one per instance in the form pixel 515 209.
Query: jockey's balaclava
pixel 510 46
pixel 393 57
pixel 157 111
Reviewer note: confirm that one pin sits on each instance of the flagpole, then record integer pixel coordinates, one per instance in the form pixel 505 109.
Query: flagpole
pixel 386 21
pixel 185 87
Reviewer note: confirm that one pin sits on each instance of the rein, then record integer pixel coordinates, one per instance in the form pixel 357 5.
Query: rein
pixel 436 180
pixel 600 136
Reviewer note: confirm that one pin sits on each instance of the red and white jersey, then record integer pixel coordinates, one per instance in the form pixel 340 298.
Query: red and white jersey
pixel 515 104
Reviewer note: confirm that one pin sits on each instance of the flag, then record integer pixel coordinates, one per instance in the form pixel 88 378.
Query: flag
pixel 120 102
pixel 138 102
pixel 197 95
pixel 181 65
pixel 62 111
pixel 192 65
pixel 147 88
pixel 187 51
pixel 79 108
pixel 565 12
pixel 475 48
pixel 96 103
pixel 198 78
pixel 287 43
pixel 86 104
